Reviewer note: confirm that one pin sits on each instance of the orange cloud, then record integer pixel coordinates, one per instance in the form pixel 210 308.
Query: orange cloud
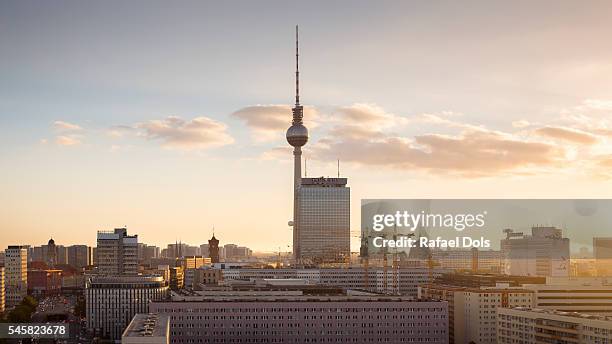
pixel 471 154
pixel 197 133
pixel 269 122
pixel 68 140
pixel 567 134
pixel 65 126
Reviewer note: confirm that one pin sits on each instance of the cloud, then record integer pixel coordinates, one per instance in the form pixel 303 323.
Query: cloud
pixel 269 122
pixel 119 131
pixel 521 123
pixel 68 140
pixel 65 126
pixel 598 104
pixel 68 134
pixel 367 115
pixel 471 154
pixel 175 132
pixel 567 134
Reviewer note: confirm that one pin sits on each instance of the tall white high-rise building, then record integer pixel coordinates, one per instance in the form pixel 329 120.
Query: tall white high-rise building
pixel 543 253
pixel 117 252
pixel 324 220
pixel 16 274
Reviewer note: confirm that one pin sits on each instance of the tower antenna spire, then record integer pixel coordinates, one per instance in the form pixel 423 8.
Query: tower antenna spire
pixel 297 67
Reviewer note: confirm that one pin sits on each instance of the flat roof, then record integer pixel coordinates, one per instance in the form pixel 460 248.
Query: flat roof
pixel 148 325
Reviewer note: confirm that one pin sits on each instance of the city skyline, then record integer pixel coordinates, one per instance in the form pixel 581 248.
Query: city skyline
pixel 168 121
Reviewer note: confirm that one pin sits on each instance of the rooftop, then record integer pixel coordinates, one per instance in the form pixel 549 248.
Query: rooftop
pixel 324 182
pixel 148 325
pixel 564 314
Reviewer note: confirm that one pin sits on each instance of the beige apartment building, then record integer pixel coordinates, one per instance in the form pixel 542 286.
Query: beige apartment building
pixel 473 311
pixel 535 326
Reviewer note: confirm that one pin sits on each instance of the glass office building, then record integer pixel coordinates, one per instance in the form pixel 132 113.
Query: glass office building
pixel 324 220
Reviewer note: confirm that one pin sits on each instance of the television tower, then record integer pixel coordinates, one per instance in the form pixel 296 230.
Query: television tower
pixel 297 136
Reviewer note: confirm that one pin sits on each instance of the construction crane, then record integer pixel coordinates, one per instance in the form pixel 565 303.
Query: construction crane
pixel 396 262
pixel 431 263
pixel 365 257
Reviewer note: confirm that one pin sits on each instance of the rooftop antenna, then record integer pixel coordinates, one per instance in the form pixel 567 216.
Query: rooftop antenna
pixel 338 168
pixel 297 67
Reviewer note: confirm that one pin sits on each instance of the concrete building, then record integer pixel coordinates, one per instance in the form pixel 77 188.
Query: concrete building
pixel 117 252
pixel 324 220
pixel 44 282
pixel 312 315
pixel 149 328
pixel 535 326
pixel 373 279
pixel 112 302
pixel 2 291
pixel 15 274
pixel 602 252
pixel 478 280
pixel 469 260
pixel 79 256
pixel 203 276
pixel 543 253
pixel 472 311
pixel 590 295
pixel 177 277
pixel 204 251
pixel 147 253
pixel 194 262
pixel 234 252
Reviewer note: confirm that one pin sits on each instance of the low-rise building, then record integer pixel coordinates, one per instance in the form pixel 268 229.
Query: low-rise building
pixel 112 301
pixel 149 328
pixel 403 281
pixel 312 314
pixel 590 295
pixel 535 326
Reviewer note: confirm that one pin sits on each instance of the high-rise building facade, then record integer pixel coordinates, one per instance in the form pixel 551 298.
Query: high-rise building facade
pixel 324 220
pixel 543 253
pixel 117 252
pixel 79 256
pixel 16 274
pixel 473 311
pixel 112 302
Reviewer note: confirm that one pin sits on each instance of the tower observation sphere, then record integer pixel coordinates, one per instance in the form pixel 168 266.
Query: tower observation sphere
pixel 297 135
